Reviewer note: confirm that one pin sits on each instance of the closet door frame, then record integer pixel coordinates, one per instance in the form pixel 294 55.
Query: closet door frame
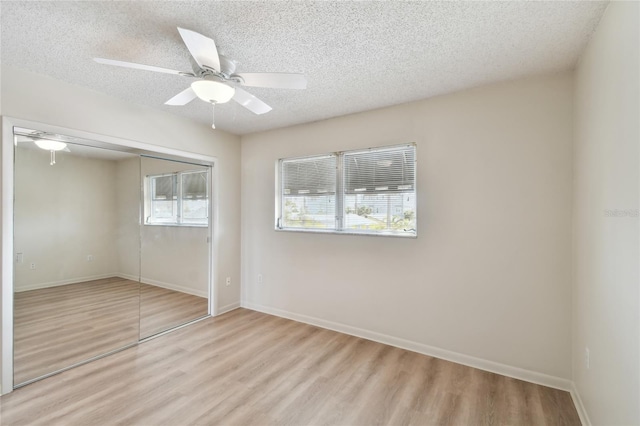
pixel 8 255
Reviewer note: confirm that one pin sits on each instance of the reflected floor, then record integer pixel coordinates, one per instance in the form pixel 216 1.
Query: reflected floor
pixel 162 309
pixel 59 326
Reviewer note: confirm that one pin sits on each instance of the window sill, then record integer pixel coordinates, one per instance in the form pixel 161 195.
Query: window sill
pixel 347 232
pixel 178 225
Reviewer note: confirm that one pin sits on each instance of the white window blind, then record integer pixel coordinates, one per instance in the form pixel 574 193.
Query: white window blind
pixel 164 198
pixel 195 205
pixel 179 198
pixel 308 193
pixel 369 191
pixel 379 189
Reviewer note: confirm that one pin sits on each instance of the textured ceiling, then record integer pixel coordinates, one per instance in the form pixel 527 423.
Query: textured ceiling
pixel 356 55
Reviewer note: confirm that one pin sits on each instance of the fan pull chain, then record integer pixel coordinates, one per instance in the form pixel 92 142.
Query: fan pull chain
pixel 53 158
pixel 213 115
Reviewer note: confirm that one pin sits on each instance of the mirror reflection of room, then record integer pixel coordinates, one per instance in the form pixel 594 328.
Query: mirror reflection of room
pixel 111 248
pixel 71 304
pixel 174 263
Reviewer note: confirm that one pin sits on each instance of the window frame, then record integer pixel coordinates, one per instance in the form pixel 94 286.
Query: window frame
pixel 340 195
pixel 148 199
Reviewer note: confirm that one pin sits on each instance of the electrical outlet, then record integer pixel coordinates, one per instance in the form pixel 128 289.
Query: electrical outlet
pixel 259 278
pixel 228 281
pixel 89 258
pixel 19 258
pixel 587 360
pixel 32 265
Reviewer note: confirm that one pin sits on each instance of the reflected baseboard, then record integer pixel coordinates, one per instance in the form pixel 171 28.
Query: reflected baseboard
pixel 168 286
pixel 28 287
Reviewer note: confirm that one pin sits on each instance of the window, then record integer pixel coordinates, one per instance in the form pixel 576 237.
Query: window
pixel 309 192
pixel 369 191
pixel 179 198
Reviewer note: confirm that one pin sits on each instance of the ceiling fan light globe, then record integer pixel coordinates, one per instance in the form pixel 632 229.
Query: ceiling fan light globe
pixel 213 91
pixel 50 145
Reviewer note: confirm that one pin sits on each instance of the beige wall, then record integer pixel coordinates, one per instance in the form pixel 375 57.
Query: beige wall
pixel 489 275
pixel 605 291
pixel 40 98
pixel 127 235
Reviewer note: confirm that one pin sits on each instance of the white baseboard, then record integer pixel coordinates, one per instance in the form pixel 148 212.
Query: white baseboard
pixel 577 401
pixel 39 286
pixel 168 286
pixel 227 308
pixel 471 361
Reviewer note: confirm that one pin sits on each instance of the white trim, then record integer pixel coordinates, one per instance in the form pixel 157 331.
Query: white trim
pixel 468 360
pixel 39 286
pixel 577 401
pixel 6 374
pixel 228 308
pixel 214 239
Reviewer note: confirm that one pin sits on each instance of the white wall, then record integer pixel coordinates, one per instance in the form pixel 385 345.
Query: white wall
pixel 62 214
pixel 40 98
pixel 489 275
pixel 605 291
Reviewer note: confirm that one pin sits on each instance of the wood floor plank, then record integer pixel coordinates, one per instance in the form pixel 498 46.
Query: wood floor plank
pixel 249 368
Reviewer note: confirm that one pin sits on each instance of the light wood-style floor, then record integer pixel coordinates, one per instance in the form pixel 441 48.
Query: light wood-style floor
pixel 59 326
pixel 249 368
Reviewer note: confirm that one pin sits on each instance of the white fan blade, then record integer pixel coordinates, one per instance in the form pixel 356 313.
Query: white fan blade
pixel 202 48
pixel 250 102
pixel 183 97
pixel 138 66
pixel 274 80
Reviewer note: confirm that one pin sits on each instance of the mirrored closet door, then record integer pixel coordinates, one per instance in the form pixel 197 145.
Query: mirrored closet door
pixel 174 261
pixel 110 247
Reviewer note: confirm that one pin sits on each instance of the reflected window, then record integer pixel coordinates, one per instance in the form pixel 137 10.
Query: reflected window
pixel 179 198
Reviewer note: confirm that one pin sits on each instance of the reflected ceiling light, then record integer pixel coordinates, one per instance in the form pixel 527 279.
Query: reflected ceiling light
pixel 51 146
pixel 213 91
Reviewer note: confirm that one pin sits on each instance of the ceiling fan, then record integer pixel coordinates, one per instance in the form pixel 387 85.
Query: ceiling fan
pixel 217 78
